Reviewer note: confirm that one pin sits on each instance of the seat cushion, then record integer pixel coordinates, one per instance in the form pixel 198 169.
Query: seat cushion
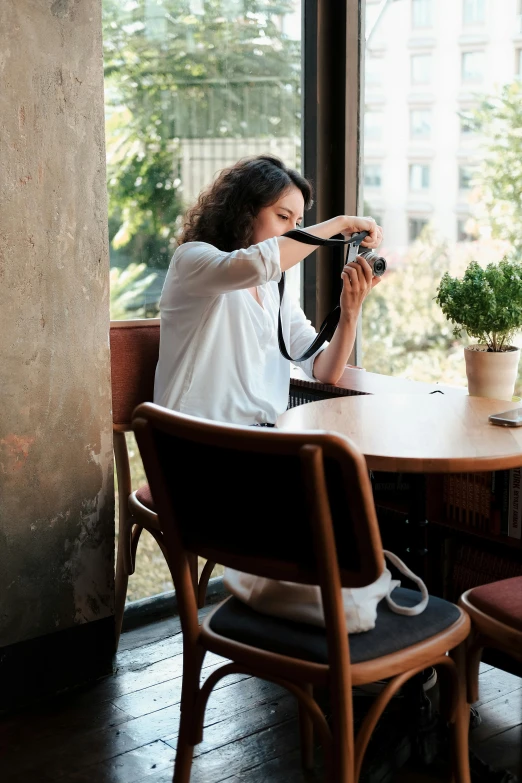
pixel 392 632
pixel 144 495
pixel 500 600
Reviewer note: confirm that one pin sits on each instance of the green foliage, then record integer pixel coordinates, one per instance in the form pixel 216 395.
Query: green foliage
pixel 486 303
pixel 126 286
pixel 403 331
pixel 499 119
pixel 172 72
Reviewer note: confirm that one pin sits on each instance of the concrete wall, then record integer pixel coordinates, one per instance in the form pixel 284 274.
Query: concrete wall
pixel 56 490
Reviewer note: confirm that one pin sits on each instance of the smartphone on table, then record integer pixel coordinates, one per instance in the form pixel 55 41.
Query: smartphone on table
pixel 511 418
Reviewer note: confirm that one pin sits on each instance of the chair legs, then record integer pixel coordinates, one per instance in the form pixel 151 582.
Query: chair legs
pixel 306 731
pixel 190 720
pixel 459 728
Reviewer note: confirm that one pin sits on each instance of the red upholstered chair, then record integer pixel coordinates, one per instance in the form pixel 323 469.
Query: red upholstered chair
pixel 496 615
pixel 134 355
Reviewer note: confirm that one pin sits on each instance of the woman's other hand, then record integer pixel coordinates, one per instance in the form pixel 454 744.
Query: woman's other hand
pixel 356 224
pixel 358 281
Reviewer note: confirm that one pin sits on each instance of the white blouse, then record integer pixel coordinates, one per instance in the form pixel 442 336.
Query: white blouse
pixel 219 356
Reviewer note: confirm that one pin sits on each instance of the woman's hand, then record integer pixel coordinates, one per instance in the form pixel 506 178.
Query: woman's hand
pixel 358 281
pixel 356 224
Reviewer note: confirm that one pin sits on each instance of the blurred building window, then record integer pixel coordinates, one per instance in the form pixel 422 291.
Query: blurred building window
pixel 466 230
pixel 373 70
pixel 372 175
pixel 373 122
pixel 465 177
pixel 474 12
pixel 415 227
pixel 421 68
pixel 419 176
pixel 420 123
pixel 421 11
pixel 473 64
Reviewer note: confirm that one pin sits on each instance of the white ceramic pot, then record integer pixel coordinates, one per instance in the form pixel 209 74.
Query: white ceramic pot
pixel 491 373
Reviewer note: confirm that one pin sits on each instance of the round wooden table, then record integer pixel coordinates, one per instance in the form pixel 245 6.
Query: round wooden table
pixel 417 434
pixel 432 433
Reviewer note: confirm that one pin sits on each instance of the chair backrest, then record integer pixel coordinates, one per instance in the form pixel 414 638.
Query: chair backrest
pixel 249 497
pixel 134 355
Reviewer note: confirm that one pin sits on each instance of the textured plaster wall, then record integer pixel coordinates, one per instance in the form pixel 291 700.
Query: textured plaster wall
pixel 56 491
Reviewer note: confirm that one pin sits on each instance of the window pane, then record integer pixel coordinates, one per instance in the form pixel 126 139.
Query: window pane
pixel 416 227
pixel 421 13
pixel 373 70
pixel 420 68
pixel 420 123
pixel 518 67
pixel 473 66
pixel 191 87
pixel 465 177
pixel 449 175
pixel 474 11
pixel 373 125
pixel 372 176
pixel 419 176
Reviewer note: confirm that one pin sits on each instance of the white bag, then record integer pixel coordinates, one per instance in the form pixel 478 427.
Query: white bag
pixel 303 603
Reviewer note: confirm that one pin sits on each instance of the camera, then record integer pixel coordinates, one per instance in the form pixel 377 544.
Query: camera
pixel 377 263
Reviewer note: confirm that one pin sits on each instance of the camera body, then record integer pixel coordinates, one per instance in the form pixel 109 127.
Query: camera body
pixel 377 263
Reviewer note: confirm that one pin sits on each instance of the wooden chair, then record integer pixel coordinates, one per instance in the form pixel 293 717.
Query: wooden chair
pixel 496 617
pixel 134 355
pixel 297 507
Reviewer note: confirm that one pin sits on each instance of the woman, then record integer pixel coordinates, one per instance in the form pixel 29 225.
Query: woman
pixel 219 356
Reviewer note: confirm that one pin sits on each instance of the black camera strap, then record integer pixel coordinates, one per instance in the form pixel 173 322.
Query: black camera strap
pixel 329 324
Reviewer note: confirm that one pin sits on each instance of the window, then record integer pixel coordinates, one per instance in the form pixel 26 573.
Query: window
pixel 372 175
pixel 473 64
pixel 519 16
pixel 191 87
pixel 465 177
pixel 468 125
pixel 421 68
pixel 419 178
pixel 420 123
pixel 421 13
pixel 373 121
pixel 466 230
pixel 415 227
pixel 373 70
pixel 518 63
pixel 474 11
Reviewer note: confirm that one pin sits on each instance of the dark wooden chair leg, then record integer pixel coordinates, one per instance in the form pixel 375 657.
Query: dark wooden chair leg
pixel 459 729
pixel 203 583
pixel 306 731
pixel 120 594
pixel 188 735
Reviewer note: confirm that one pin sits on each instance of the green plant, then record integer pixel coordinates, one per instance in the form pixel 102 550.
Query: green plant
pixel 126 286
pixel 486 303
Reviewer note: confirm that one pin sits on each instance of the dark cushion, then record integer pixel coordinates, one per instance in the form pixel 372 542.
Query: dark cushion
pixel 144 496
pixel 501 600
pixel 392 632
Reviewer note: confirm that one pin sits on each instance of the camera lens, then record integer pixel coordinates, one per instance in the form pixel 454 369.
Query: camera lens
pixel 379 266
pixel 377 263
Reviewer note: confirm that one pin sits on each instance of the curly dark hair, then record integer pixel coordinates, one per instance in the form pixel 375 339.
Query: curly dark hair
pixel 224 213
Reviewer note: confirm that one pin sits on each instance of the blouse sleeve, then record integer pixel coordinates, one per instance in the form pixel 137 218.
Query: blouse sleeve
pixel 206 271
pixel 302 334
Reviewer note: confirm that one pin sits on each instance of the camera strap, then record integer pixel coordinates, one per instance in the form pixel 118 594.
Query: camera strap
pixel 329 324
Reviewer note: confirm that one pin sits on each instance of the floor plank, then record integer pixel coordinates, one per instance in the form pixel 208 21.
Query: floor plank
pixel 124 728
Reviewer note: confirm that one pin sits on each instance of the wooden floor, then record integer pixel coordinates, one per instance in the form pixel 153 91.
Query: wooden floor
pixel 123 729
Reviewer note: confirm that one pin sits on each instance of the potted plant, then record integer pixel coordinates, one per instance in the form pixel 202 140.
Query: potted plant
pixel 487 304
